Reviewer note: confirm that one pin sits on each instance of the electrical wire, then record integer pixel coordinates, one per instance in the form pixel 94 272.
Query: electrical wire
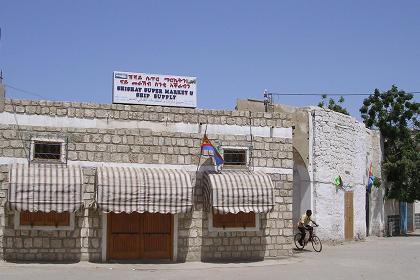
pixel 268 93
pixel 25 91
pixel 329 94
pixel 19 131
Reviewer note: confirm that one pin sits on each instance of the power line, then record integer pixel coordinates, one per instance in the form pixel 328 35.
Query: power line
pixel 25 91
pixel 265 93
pixel 328 94
pixel 19 132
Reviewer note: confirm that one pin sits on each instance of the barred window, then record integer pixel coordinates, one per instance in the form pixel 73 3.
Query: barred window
pixel 235 157
pixel 47 150
pixel 230 220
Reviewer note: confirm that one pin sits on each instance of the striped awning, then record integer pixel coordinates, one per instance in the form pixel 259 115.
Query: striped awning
pixel 127 189
pixel 238 191
pixel 45 187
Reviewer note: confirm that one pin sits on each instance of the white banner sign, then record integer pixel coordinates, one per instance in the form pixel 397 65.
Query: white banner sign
pixel 154 89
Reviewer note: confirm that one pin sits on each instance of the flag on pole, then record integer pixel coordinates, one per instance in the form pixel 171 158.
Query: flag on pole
pixel 371 179
pixel 207 146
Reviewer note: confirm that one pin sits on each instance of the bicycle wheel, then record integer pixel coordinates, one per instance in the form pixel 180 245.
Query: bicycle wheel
pixel 298 236
pixel 316 244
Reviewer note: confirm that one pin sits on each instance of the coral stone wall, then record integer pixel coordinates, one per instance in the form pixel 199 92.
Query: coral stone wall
pixel 147 136
pixel 80 243
pixel 343 146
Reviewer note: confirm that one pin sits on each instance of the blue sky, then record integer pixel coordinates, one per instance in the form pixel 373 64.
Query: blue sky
pixel 67 50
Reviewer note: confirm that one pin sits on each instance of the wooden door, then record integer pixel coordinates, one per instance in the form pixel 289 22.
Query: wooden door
pixel 348 215
pixel 139 236
pixel 124 236
pixel 157 233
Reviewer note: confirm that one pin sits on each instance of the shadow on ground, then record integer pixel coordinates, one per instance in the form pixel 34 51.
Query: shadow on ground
pixel 300 251
pixel 41 262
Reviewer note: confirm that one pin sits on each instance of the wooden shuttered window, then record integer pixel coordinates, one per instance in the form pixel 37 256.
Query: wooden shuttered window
pixel 51 219
pixel 229 220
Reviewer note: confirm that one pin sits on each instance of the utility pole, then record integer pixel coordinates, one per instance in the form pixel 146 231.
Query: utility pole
pixel 268 101
pixel 2 93
pixel 2 88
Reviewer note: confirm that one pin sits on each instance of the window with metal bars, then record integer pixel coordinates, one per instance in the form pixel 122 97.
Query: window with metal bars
pixel 235 157
pixel 47 151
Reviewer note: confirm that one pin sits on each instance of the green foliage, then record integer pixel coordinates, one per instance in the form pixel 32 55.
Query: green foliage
pixel 377 182
pixel 396 115
pixel 333 105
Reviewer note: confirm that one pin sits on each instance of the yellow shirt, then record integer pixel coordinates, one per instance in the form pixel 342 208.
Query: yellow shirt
pixel 304 221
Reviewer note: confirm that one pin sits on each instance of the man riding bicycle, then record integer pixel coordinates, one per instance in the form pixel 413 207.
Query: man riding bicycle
pixel 304 224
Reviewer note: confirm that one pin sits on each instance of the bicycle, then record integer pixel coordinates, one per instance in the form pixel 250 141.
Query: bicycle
pixel 316 242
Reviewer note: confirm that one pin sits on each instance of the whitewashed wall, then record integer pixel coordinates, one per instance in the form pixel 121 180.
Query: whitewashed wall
pixel 337 145
pixel 343 146
pixel 377 219
pixel 417 207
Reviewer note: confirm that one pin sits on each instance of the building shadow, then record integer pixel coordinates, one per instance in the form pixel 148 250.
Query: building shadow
pixel 189 242
pixel 412 234
pixel 300 251
pixel 184 226
pixel 141 261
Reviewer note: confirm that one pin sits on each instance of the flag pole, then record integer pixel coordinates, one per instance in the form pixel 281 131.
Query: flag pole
pixel 201 152
pixel 251 150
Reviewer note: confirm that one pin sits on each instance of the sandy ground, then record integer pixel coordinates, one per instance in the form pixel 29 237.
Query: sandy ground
pixel 376 258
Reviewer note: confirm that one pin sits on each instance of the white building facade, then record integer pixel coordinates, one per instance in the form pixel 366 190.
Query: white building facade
pixel 326 145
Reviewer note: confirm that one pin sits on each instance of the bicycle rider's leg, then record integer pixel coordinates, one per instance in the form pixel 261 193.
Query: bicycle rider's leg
pixel 311 231
pixel 303 233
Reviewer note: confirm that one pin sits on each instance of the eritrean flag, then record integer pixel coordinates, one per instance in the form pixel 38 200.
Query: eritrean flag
pixel 370 179
pixel 207 146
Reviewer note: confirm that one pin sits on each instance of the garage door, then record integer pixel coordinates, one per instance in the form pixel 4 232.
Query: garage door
pixel 139 236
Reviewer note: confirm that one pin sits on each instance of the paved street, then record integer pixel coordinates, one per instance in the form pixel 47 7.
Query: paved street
pixel 377 258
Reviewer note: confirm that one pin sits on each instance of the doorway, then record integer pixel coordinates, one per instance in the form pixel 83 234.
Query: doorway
pixel 348 216
pixel 139 236
pixel 302 193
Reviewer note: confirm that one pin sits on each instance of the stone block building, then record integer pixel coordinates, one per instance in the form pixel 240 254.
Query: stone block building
pixel 102 182
pixel 327 144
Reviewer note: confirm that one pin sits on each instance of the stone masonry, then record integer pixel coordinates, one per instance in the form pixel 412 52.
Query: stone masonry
pixel 343 146
pixel 91 143
pixel 82 243
pixel 327 144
